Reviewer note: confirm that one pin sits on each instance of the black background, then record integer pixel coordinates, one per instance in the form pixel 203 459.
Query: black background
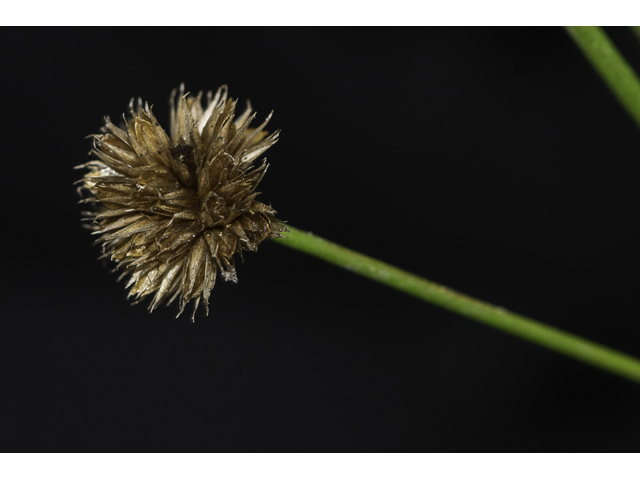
pixel 492 160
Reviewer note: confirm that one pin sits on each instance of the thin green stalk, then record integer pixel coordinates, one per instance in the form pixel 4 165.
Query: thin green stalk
pixel 625 85
pixel 611 65
pixel 552 338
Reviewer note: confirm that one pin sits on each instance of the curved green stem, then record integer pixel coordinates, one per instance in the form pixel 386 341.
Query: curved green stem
pixel 552 338
pixel 625 85
pixel 611 65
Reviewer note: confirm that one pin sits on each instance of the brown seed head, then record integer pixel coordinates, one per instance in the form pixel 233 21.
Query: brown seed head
pixel 172 209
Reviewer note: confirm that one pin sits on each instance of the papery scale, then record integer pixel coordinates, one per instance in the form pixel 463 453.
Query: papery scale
pixel 173 210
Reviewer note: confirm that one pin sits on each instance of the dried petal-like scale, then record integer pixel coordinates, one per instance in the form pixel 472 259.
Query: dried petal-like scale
pixel 173 210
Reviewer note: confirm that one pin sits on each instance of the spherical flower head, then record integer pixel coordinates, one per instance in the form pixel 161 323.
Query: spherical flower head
pixel 173 209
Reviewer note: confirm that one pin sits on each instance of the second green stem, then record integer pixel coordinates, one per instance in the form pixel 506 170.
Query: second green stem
pixel 611 65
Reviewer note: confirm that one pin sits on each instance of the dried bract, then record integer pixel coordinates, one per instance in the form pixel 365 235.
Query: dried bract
pixel 173 209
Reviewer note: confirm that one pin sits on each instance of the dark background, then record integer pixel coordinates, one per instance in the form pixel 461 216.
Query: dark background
pixel 492 160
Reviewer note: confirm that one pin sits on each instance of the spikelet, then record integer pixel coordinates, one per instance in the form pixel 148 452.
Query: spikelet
pixel 173 209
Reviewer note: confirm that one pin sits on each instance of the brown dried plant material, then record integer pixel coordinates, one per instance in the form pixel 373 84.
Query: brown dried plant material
pixel 173 209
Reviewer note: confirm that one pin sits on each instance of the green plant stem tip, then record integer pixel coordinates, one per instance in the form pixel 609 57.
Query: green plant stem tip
pixel 552 338
pixel 611 65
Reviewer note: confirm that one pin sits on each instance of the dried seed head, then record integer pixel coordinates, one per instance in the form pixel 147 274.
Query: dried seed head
pixel 172 209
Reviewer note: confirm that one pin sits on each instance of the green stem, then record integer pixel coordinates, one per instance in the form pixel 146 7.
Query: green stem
pixel 552 338
pixel 611 65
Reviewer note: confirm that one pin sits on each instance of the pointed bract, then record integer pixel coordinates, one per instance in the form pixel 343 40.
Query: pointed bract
pixel 173 209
